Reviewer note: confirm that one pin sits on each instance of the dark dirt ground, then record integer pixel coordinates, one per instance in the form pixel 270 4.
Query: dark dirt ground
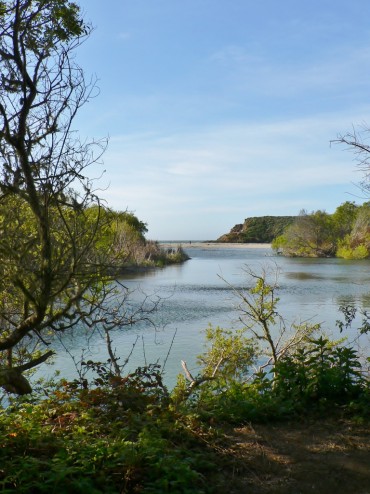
pixel 325 457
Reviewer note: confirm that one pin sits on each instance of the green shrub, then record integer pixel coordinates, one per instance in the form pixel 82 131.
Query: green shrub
pixel 359 252
pixel 118 435
pixel 320 373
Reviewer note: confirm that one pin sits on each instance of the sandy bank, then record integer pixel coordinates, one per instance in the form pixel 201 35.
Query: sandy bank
pixel 213 245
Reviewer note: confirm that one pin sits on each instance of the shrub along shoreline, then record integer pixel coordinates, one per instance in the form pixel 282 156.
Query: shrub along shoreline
pixel 344 234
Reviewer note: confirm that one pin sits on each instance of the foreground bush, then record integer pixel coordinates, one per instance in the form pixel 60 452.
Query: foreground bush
pixel 120 437
pixel 129 434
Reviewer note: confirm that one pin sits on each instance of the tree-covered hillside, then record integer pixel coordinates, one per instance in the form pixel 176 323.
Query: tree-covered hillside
pixel 256 229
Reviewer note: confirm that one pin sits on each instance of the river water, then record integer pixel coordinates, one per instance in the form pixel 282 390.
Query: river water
pixel 199 292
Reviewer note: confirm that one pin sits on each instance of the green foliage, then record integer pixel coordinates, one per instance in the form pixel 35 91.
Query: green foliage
pixel 264 229
pixel 119 437
pixel 344 218
pixel 87 246
pixel 229 354
pixel 60 22
pixel 319 373
pixel 47 257
pixel 227 359
pixel 346 252
pixel 345 234
pixel 356 244
pixel 311 235
pixel 318 377
pixel 121 236
pixel 120 240
pixel 279 243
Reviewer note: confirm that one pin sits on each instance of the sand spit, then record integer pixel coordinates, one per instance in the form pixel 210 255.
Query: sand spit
pixel 213 245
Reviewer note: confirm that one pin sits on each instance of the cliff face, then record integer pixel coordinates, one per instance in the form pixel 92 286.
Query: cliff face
pixel 258 229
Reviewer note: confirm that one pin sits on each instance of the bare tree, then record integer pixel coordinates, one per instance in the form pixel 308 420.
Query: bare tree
pixel 357 141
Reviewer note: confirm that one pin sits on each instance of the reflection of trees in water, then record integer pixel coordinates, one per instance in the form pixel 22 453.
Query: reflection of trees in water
pixel 360 301
pixel 303 275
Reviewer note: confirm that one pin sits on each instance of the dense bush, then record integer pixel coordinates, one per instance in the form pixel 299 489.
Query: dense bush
pixel 119 437
pixel 344 234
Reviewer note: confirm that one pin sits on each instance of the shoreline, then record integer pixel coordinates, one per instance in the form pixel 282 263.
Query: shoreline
pixel 213 245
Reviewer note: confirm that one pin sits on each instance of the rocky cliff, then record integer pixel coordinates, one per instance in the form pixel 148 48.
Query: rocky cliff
pixel 258 229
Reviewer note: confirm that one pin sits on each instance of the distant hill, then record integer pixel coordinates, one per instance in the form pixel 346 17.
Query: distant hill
pixel 258 229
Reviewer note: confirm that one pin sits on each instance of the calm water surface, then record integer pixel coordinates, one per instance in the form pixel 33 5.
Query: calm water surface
pixel 194 295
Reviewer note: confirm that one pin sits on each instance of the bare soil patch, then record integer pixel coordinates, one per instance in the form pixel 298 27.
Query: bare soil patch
pixel 323 457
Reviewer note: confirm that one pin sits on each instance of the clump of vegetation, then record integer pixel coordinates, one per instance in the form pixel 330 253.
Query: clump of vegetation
pixel 155 255
pixel 125 240
pixel 111 435
pixel 344 234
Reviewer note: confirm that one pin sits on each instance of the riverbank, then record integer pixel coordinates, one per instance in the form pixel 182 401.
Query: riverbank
pixel 213 245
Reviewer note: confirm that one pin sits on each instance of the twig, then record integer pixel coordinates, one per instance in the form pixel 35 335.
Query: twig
pixel 142 339
pixel 189 377
pixel 169 351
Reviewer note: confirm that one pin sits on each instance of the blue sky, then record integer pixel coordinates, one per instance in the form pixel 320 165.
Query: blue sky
pixel 217 110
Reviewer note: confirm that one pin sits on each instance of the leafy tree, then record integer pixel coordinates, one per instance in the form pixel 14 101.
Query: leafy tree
pixel 361 227
pixel 118 235
pixel 344 218
pixel 356 244
pixel 344 233
pixel 52 257
pixel 227 358
pixel 128 240
pixel 310 235
pixel 259 314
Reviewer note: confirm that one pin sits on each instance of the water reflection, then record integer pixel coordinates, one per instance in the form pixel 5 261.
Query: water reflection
pixel 303 276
